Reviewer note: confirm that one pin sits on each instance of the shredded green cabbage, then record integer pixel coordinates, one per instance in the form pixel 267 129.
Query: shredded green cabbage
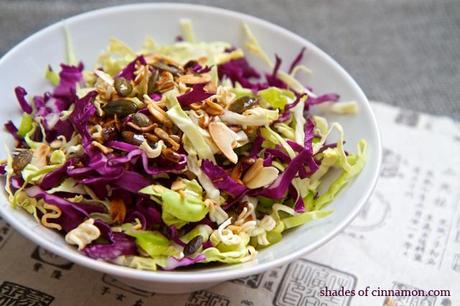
pixel 193 132
pixel 202 230
pixel 70 53
pixel 275 97
pixel 357 163
pixel 231 257
pixel 52 76
pixel 188 196
pixel 256 116
pixel 187 207
pixel 141 263
pixel 154 243
pixel 305 217
pixel 187 30
pixel 117 56
pixel 26 124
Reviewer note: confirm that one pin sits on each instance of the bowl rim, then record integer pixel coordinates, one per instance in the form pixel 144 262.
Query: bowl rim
pixel 207 275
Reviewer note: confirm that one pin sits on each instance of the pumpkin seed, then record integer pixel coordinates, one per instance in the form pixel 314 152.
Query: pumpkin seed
pixel 190 64
pixel 153 79
pixel 241 104
pixel 162 66
pixel 120 107
pixel 123 87
pixel 141 120
pixel 193 245
pixel 21 158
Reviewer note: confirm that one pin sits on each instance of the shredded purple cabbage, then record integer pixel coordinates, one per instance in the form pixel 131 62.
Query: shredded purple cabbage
pixel 84 110
pixel 65 91
pixel 21 94
pixel 55 177
pixel 297 60
pixel 221 179
pixel 331 97
pixel 272 79
pixel 174 263
pixel 239 71
pixel 128 71
pixel 12 129
pixel 72 215
pixel 278 189
pixel 121 244
pixel 197 94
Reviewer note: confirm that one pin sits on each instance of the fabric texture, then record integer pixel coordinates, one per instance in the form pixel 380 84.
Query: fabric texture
pixel 405 52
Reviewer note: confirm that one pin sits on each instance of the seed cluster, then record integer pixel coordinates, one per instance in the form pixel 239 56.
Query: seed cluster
pixel 133 110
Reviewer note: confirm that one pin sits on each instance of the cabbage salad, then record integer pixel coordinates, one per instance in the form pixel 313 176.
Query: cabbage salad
pixel 178 154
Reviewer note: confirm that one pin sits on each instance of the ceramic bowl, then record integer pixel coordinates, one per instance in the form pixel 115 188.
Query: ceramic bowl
pixel 25 65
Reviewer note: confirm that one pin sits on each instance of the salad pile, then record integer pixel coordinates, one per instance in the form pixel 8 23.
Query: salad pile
pixel 177 154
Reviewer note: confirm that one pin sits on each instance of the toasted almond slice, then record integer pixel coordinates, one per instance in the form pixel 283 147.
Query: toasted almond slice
pixel 264 177
pixel 236 172
pixel 194 79
pixel 40 155
pixel 151 59
pixel 213 108
pixel 224 138
pixel 117 210
pixel 157 111
pixel 178 185
pixel 104 76
pixel 203 121
pixel 253 170
pixel 211 87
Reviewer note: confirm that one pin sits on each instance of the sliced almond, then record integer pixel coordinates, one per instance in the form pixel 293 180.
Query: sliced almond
pixel 253 170
pixel 104 76
pixel 213 108
pixel 194 79
pixel 236 172
pixel 224 138
pixel 178 185
pixel 203 121
pixel 40 155
pixel 166 82
pixel 157 112
pixel 264 177
pixel 117 210
pixel 196 105
pixel 159 188
pixel 153 58
pixel 211 87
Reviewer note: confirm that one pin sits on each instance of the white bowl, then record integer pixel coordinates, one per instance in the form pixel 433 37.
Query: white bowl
pixel 25 65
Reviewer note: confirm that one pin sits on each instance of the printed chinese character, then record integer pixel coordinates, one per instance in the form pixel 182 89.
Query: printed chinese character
pixel 15 294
